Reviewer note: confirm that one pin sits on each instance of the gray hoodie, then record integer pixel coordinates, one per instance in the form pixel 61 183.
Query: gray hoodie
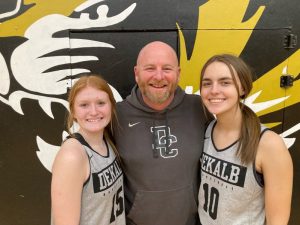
pixel 160 152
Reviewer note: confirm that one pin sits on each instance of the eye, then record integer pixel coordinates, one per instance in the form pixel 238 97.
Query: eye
pixel 206 83
pixel 101 102
pixel 167 69
pixel 83 105
pixel 149 69
pixel 226 83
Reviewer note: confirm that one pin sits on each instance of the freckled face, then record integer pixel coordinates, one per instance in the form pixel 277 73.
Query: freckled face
pixel 218 91
pixel 92 110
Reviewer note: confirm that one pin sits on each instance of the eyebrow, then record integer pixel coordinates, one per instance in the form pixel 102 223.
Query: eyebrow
pixel 225 78
pixel 220 79
pixel 164 65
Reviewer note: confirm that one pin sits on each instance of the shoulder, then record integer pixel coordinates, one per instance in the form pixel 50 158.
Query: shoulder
pixel 122 104
pixel 71 154
pixel 70 168
pixel 123 109
pixel 272 151
pixel 270 140
pixel 194 103
pixel 192 97
pixel 72 146
pixel 192 100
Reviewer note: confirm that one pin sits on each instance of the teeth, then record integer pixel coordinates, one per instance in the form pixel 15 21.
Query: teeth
pixel 158 85
pixel 93 120
pixel 216 100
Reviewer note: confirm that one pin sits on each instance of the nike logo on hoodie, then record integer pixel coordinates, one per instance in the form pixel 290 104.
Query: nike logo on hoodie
pixel 132 124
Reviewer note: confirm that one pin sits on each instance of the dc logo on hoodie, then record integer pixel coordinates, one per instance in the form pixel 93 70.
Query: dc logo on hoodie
pixel 163 140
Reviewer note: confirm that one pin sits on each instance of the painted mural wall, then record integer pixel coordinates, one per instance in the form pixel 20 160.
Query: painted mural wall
pixel 45 45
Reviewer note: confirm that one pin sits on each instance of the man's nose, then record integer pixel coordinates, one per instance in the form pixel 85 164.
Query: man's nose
pixel 159 74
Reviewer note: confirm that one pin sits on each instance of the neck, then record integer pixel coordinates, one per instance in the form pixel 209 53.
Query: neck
pixel 230 121
pixel 96 142
pixel 93 138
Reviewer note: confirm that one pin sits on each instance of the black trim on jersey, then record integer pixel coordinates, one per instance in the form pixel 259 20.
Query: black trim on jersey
pixel 82 141
pixel 212 140
pixel 259 177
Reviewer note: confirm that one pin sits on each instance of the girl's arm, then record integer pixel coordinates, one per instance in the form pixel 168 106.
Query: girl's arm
pixel 274 161
pixel 69 172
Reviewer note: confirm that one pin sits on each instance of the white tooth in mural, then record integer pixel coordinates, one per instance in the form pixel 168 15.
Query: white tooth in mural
pixel 46 153
pixel 45 102
pixel 4 76
pixel 257 107
pixel 46 106
pixel 290 141
pixel 291 130
pixel 284 70
pixel 15 101
pixel 78 43
pixel 116 94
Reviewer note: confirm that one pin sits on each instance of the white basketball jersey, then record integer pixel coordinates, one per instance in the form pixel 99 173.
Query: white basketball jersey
pixel 230 192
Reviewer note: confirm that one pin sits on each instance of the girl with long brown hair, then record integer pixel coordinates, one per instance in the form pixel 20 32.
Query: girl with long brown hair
pixel 246 169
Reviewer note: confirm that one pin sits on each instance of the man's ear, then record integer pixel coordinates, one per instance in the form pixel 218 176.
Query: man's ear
pixel 135 69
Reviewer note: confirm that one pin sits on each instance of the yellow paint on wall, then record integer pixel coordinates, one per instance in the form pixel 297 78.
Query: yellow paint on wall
pixel 220 30
pixel 269 83
pixel 18 25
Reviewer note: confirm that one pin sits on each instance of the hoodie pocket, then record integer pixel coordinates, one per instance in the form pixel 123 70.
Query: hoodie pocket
pixel 176 207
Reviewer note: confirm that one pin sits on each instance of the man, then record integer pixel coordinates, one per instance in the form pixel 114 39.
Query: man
pixel 160 137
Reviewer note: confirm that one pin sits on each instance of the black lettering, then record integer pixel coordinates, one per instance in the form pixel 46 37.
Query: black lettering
pixel 224 170
pixel 106 177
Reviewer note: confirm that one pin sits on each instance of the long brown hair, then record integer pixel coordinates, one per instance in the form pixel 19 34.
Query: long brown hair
pixel 97 82
pixel 250 129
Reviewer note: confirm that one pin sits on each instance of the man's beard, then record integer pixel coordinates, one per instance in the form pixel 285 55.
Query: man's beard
pixel 157 96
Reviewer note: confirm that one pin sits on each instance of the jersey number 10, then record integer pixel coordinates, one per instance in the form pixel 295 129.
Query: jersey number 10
pixel 211 200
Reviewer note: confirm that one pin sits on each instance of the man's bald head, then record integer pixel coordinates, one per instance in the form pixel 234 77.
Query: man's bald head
pixel 154 47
